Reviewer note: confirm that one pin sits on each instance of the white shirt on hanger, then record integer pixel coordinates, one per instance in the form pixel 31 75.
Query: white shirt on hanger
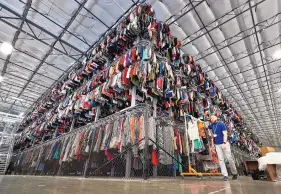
pixel 193 131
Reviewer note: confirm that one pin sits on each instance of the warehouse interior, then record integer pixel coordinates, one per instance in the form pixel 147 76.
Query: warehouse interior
pixel 235 44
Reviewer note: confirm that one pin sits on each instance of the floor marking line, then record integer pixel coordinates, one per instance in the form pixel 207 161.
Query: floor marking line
pixel 219 190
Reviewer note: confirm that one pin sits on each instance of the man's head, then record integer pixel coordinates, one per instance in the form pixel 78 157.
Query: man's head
pixel 214 119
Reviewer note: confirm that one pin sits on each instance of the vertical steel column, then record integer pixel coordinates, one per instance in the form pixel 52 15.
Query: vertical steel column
pixel 171 116
pixel 187 140
pixel 154 116
pixel 128 164
pixel 146 144
pixel 129 152
pixel 134 91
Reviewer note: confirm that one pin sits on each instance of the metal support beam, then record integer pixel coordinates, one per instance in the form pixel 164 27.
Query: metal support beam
pixel 184 12
pixel 8 91
pixel 256 95
pixel 21 78
pixel 248 44
pixel 16 36
pixel 17 86
pixel 52 47
pixel 90 48
pixel 114 25
pixel 254 79
pixel 264 69
pixel 35 37
pixel 256 66
pixel 263 25
pixel 93 15
pixel 26 68
pixel 232 59
pixel 234 80
pixel 39 27
pixel 200 33
pixel 34 57
pixel 21 106
pixel 56 23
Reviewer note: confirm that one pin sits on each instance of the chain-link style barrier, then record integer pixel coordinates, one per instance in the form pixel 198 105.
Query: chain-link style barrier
pixel 129 144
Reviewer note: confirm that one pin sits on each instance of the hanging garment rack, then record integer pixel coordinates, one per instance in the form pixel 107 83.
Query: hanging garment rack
pixel 131 110
pixel 142 42
pixel 191 171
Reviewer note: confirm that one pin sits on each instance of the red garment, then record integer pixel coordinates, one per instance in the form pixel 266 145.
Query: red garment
pixel 214 157
pixel 108 155
pixel 154 158
pixel 177 142
pixel 134 55
pixel 183 144
pixel 78 149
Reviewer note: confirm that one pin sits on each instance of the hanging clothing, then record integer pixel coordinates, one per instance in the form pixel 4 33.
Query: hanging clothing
pixel 193 133
pixel 99 139
pixel 193 130
pixel 107 134
pixel 115 133
pixel 141 132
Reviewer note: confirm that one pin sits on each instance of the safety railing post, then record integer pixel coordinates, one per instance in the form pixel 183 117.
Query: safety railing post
pixel 155 169
pixel 146 142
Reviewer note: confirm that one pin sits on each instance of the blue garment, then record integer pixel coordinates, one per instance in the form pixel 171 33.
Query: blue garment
pixel 218 129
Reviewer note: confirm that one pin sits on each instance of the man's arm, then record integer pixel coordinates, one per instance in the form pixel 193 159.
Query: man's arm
pixel 224 131
pixel 212 137
pixel 224 136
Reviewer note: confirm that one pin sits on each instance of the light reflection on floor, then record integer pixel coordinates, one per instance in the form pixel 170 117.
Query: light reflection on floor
pixel 70 185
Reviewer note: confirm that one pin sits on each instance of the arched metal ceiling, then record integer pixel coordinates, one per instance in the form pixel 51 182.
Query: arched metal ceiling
pixel 235 41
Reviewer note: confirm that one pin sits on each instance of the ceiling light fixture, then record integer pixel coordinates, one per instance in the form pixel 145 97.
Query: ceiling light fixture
pixel 1 78
pixel 6 48
pixel 277 54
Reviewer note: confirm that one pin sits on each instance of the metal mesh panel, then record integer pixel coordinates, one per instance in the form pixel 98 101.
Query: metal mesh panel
pixel 128 163
pixel 165 162
pixel 75 153
pixel 15 163
pixel 125 145
pixel 72 159
pixel 48 162
pixel 121 165
pixel 25 163
pixel 172 166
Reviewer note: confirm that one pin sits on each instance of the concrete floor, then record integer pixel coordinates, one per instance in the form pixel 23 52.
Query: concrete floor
pixel 59 185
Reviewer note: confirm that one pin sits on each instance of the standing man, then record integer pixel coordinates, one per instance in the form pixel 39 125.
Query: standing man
pixel 219 133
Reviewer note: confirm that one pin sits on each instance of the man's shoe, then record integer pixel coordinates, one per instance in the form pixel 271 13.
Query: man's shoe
pixel 235 176
pixel 225 178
